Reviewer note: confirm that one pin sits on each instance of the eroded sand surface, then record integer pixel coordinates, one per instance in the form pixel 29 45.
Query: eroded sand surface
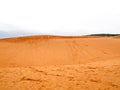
pixel 60 63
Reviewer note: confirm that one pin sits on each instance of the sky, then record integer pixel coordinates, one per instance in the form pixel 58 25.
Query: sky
pixel 65 17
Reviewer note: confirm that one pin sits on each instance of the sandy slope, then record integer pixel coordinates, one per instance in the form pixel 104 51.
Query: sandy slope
pixel 60 63
pixel 46 50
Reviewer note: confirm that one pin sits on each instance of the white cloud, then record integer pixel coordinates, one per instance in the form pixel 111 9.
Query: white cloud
pixel 62 16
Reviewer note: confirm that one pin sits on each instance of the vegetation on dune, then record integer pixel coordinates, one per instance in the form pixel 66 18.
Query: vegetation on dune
pixel 104 35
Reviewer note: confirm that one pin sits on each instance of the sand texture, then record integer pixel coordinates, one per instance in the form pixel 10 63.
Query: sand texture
pixel 60 63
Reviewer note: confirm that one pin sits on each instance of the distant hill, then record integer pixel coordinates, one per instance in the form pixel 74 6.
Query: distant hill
pixel 11 31
pixel 6 34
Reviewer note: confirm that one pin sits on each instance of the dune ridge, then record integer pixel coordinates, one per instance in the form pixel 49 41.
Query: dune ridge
pixel 36 37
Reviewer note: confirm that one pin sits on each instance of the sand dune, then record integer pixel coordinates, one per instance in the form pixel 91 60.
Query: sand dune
pixel 60 63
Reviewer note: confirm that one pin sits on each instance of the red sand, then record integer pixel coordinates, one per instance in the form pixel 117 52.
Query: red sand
pixel 60 63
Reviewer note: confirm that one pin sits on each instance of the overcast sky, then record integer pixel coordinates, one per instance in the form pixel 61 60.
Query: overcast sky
pixel 60 16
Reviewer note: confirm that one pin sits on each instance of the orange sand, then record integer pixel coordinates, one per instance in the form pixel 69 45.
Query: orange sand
pixel 60 63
